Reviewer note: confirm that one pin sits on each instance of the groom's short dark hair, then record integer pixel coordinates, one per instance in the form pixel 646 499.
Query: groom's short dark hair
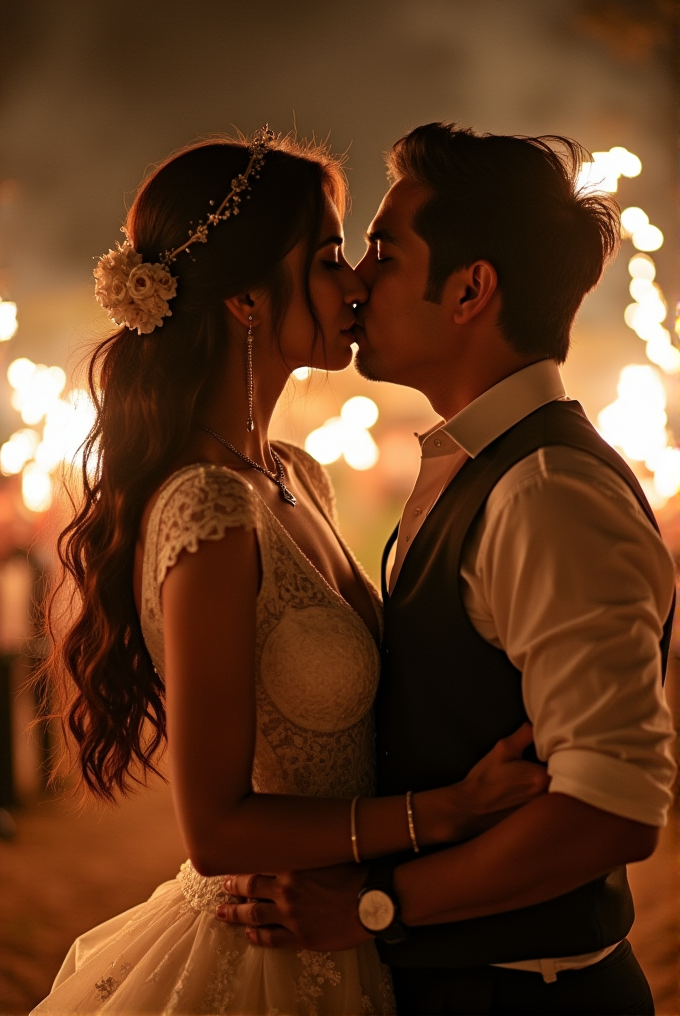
pixel 512 201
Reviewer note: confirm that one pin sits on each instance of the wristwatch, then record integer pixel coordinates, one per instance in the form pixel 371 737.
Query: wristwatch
pixel 378 906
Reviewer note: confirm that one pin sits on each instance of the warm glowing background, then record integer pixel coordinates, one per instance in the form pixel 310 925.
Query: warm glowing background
pixel 90 97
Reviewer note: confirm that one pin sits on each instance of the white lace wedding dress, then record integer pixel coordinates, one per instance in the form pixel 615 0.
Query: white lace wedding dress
pixel 316 676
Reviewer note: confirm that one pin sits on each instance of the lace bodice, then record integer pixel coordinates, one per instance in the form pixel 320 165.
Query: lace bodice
pixel 316 663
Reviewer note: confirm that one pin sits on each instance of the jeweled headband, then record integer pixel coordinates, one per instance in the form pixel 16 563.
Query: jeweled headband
pixel 135 293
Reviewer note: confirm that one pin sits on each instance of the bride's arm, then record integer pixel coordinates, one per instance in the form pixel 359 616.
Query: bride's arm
pixel 209 603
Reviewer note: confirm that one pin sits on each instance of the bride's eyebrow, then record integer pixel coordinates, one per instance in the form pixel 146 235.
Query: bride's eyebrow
pixel 337 241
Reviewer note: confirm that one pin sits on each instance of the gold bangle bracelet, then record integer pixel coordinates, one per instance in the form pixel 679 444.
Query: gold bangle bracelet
pixel 411 823
pixel 353 829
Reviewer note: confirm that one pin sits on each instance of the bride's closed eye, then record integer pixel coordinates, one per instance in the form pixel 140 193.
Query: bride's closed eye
pixel 334 260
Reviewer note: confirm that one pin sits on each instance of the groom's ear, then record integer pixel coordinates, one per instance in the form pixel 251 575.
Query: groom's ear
pixel 469 291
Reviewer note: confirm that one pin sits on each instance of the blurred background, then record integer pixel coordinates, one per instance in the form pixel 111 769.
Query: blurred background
pixel 91 96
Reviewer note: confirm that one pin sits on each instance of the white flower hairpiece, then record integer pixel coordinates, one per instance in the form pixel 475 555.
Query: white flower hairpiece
pixel 131 292
pixel 135 293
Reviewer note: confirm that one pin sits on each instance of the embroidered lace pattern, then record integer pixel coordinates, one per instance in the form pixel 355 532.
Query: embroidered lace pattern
pixel 106 986
pixel 318 969
pixel 201 892
pixel 220 987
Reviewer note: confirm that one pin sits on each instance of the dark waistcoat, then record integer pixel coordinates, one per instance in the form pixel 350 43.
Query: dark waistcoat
pixel 446 696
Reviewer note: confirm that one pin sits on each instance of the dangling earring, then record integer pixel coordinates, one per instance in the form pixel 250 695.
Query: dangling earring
pixel 250 425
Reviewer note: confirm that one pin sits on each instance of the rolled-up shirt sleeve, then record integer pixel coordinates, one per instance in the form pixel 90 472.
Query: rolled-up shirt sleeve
pixel 566 574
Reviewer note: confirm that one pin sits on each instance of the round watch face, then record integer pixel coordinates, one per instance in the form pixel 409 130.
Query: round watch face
pixel 376 910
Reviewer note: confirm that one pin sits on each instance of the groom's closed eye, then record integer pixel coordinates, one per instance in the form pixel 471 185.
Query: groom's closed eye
pixel 380 240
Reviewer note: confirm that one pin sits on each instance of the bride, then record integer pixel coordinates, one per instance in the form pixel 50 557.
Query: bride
pixel 218 607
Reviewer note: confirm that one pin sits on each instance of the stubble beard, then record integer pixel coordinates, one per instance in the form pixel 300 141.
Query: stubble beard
pixel 365 368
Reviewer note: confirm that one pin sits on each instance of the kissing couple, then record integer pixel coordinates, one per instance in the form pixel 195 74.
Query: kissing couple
pixel 425 803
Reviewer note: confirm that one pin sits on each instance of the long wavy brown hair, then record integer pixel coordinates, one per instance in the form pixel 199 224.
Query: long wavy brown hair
pixel 146 390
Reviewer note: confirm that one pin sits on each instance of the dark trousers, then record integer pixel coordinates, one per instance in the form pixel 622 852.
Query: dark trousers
pixel 613 987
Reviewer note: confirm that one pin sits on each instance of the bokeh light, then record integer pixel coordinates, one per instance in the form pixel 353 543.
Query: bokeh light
pixel 359 412
pixel 325 444
pixel 661 352
pixel 36 488
pixel 67 422
pixel 36 387
pixel 347 435
pixel 646 315
pixel 641 266
pixel 667 472
pixel 17 451
pixel 636 424
pixel 627 164
pixel 648 238
pixel 633 218
pixel 360 450
pixel 602 174
pixel 8 320
pixel 302 373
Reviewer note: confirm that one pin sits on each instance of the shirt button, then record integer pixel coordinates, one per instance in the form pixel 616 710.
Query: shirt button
pixel 408 538
pixel 437 443
pixel 418 511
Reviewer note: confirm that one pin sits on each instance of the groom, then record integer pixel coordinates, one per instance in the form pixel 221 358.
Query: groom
pixel 527 579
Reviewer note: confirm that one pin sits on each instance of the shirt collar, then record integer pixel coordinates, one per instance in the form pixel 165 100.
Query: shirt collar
pixel 495 411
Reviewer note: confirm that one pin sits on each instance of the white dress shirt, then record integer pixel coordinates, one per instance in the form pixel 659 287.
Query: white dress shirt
pixel 446 448
pixel 563 532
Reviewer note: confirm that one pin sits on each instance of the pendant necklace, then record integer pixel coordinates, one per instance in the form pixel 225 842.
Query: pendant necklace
pixel 278 477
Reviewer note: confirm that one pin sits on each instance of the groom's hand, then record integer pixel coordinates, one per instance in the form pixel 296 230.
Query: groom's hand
pixel 314 909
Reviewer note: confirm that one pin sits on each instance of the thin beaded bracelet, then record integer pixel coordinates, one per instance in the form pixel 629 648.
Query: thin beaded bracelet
pixel 353 829
pixel 411 823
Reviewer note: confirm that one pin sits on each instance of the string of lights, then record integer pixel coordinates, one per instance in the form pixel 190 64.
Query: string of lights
pixel 636 422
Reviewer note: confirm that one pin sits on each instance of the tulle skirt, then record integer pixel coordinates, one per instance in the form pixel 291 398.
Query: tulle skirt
pixel 172 955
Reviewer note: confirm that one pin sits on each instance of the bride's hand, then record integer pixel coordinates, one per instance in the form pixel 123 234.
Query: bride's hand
pixel 498 784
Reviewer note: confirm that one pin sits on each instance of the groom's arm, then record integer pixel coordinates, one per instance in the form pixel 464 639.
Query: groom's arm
pixel 544 849
pixel 568 577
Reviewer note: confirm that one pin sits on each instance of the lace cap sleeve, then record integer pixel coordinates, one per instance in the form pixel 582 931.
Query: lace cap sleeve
pixel 317 477
pixel 198 503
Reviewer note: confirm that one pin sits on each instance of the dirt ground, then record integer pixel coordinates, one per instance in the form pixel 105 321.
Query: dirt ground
pixel 67 871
